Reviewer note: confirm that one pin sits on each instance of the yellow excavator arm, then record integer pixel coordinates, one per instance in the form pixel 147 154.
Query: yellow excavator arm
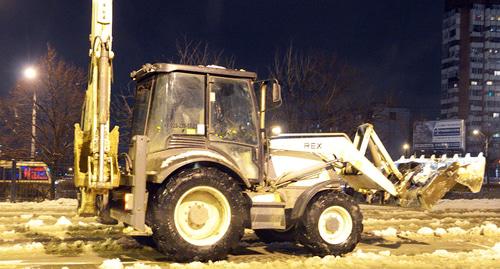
pixel 96 148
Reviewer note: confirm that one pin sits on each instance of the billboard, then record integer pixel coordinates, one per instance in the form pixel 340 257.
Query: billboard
pixel 439 135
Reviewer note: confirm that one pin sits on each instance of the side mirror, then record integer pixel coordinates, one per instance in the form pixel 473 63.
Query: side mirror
pixel 265 86
pixel 276 92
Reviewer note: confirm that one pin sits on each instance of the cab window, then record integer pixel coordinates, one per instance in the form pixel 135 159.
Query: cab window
pixel 232 114
pixel 178 107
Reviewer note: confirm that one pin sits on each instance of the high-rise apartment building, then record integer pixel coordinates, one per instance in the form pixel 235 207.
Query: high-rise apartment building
pixel 470 69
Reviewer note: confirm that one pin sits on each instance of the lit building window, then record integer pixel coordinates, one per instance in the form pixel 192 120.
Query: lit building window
pixel 491 93
pixel 496 73
pixel 473 82
pixel 489 82
pixel 496 115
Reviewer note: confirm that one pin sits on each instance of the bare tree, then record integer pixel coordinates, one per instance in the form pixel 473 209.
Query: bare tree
pixel 199 53
pixel 59 89
pixel 122 102
pixel 320 92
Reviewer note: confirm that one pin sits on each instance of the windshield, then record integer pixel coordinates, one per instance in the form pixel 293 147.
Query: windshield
pixel 232 115
pixel 177 108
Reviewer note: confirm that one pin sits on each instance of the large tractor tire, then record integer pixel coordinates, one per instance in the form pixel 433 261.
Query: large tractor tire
pixel 198 215
pixel 331 225
pixel 270 236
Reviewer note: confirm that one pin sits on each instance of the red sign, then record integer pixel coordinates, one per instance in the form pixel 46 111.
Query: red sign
pixel 34 173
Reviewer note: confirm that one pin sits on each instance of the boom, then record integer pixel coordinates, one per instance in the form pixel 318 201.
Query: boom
pixel 96 148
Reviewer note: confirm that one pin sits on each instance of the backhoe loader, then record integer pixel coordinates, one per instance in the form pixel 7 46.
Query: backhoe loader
pixel 202 168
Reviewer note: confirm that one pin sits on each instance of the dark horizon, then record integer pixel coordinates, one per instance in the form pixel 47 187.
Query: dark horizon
pixel 395 43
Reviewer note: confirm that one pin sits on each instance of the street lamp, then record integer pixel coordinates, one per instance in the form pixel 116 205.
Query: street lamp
pixel 30 73
pixel 477 132
pixel 406 147
pixel 276 130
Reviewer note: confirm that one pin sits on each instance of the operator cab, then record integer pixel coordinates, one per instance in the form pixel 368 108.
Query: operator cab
pixel 190 107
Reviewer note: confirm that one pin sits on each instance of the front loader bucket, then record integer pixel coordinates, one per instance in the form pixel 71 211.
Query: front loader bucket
pixel 428 180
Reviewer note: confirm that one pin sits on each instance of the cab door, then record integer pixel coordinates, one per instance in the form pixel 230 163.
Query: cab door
pixel 233 123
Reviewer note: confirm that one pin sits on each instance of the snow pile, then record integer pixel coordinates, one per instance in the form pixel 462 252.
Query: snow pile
pixel 441 253
pixel 111 264
pixel 33 224
pixel 46 205
pixel 63 221
pixel 489 229
pixel 496 248
pixel 376 221
pixel 58 228
pixel 486 229
pixel 142 266
pixel 26 216
pixel 83 224
pixel 462 222
pixel 468 204
pixel 425 231
pixel 440 232
pixel 7 235
pixel 479 258
pixel 117 264
pixel 388 232
pixel 456 231
pixel 21 248
pixel 368 255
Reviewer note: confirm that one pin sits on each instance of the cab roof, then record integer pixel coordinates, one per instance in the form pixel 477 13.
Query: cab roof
pixel 201 69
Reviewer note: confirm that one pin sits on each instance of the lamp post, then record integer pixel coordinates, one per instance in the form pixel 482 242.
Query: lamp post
pixel 477 132
pixel 406 147
pixel 30 73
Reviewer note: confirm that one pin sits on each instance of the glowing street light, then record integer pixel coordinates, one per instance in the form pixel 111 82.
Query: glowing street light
pixel 30 73
pixel 276 130
pixel 406 147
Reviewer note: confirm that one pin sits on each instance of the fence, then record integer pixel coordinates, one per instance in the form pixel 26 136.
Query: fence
pixel 34 181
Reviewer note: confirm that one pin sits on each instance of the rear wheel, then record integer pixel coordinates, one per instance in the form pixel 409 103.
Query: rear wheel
pixel 198 215
pixel 331 225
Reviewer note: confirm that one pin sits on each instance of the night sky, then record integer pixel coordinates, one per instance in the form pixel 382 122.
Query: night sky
pixel 396 43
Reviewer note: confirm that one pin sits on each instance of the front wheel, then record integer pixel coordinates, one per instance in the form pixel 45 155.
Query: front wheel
pixel 331 225
pixel 198 215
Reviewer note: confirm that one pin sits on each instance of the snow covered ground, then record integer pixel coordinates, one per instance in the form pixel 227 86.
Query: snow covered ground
pixel 455 234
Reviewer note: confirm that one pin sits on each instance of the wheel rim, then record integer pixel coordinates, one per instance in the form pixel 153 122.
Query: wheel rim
pixel 335 225
pixel 202 216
